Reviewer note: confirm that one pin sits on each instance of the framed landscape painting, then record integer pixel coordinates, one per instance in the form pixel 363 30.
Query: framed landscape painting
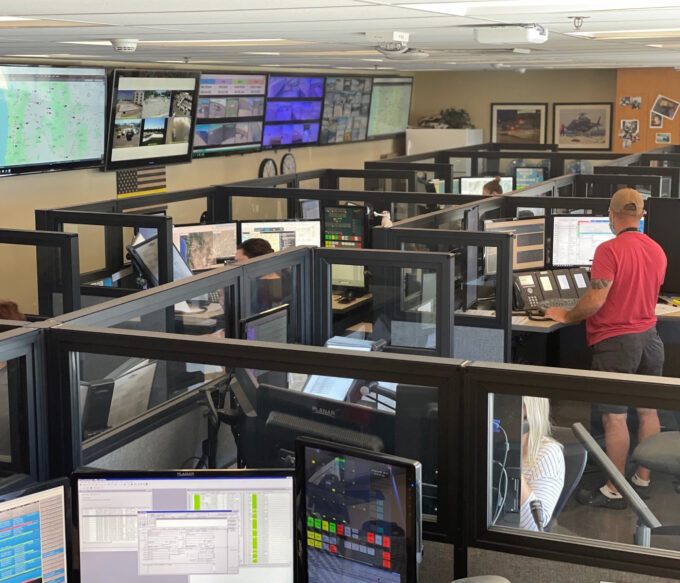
pixel 582 126
pixel 519 123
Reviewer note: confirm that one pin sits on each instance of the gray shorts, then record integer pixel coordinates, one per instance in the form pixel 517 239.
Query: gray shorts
pixel 640 353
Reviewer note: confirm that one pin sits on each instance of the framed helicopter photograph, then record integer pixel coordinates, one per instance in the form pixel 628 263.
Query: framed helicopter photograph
pixel 582 126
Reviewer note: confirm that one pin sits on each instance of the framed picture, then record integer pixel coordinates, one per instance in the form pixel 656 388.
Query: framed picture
pixel 519 123
pixel 582 126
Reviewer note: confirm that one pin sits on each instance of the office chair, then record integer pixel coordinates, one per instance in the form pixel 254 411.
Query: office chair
pixel 661 453
pixel 575 457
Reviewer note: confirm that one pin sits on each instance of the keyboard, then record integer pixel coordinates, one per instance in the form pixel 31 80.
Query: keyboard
pixel 566 303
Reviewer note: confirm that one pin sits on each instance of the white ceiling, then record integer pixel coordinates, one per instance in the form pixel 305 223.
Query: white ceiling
pixel 331 33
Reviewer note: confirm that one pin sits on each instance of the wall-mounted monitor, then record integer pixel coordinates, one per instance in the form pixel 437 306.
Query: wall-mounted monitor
pixel 475 184
pixel 152 118
pixel 345 111
pixel 51 118
pixel 293 111
pixel 230 113
pixel 390 106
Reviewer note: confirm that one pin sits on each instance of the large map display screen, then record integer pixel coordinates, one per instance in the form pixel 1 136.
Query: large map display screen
pixel 390 106
pixel 51 117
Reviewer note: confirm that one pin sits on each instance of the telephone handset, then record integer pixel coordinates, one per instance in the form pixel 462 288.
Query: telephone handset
pixel 526 292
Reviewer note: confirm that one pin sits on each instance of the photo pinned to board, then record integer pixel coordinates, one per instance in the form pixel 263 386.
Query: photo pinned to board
pixel 629 132
pixel 655 120
pixel 663 138
pixel 625 101
pixel 636 102
pixel 666 107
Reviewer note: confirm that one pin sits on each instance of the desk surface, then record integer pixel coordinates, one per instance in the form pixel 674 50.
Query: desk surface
pixel 339 308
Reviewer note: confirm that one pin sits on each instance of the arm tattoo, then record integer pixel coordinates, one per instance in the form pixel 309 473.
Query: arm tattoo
pixel 599 283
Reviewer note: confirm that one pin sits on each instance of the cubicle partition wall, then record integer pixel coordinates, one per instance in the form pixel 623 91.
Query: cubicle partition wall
pixel 641 537
pixel 670 175
pixel 443 172
pixel 481 286
pixel 408 299
pixel 605 185
pixel 58 269
pixel 23 410
pixel 256 390
pixel 112 246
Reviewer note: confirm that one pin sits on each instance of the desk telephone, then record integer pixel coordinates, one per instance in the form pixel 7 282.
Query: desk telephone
pixel 536 290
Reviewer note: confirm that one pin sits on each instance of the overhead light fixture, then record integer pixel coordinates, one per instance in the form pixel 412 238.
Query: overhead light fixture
pixel 534 6
pixel 519 51
pixel 271 54
pixel 373 60
pixel 14 18
pixel 632 34
pixel 656 46
pixel 31 56
pixel 198 42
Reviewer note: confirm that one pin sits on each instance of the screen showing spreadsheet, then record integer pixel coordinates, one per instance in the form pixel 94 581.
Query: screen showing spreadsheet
pixel 283 234
pixel 227 528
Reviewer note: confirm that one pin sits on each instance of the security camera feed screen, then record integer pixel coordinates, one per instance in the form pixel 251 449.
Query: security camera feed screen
pixel 356 519
pixel 293 111
pixel 345 110
pixel 153 117
pixel 51 118
pixel 230 114
pixel 390 106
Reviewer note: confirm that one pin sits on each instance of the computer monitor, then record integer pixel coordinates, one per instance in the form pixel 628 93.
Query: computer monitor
pixel 145 255
pixel 268 326
pixel 283 234
pixel 528 243
pixel 234 525
pixel 148 232
pixel 526 176
pixel 310 209
pixel 475 184
pixel 360 513
pixel 344 227
pixel 575 238
pixel 203 246
pixel 347 276
pixel 33 534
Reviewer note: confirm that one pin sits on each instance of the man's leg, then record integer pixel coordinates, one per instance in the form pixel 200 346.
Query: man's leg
pixel 649 425
pixel 617 441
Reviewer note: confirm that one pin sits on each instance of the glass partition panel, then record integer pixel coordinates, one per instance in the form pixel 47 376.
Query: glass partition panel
pixel 5 418
pixel 311 183
pixel 600 471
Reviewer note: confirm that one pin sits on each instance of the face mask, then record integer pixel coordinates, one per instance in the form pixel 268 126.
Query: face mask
pixel 611 227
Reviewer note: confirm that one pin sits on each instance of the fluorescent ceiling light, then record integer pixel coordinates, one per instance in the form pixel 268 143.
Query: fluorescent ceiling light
pixel 14 18
pixel 260 53
pixel 196 42
pixel 540 7
pixel 632 34
pixel 32 56
pixel 373 60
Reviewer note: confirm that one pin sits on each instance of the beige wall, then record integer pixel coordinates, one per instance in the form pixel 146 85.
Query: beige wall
pixel 475 91
pixel 21 195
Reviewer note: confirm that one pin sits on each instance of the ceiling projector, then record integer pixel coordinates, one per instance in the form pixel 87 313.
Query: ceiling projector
pixel 511 35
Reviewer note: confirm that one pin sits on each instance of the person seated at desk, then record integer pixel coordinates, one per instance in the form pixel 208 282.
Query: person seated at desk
pixel 619 310
pixel 542 463
pixel 493 187
pixel 253 248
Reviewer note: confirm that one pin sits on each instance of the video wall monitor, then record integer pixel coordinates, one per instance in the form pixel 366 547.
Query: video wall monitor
pixel 283 234
pixel 205 246
pixel 145 255
pixel 230 114
pixel 360 513
pixel 528 243
pixel 475 184
pixel 346 109
pixel 526 176
pixel 344 227
pixel 152 117
pixel 292 111
pixel 268 326
pixel 51 118
pixel 575 238
pixel 390 106
pixel 33 539
pixel 186 526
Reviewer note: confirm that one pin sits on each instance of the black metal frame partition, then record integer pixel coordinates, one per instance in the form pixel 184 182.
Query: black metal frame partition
pixel 482 380
pixel 55 253
pixel 581 184
pixel 443 172
pixel 634 170
pixel 23 352
pixel 65 340
pixel 395 238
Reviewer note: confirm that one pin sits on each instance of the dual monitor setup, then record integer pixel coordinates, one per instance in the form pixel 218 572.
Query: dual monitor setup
pixel 74 117
pixel 563 244
pixel 523 177
pixel 342 513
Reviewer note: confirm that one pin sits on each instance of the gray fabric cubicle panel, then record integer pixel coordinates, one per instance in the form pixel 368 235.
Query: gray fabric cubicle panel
pixel 472 343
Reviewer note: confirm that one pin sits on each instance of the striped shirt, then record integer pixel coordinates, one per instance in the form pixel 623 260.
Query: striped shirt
pixel 546 480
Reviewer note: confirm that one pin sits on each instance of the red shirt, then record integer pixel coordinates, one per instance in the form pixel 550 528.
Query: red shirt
pixel 636 266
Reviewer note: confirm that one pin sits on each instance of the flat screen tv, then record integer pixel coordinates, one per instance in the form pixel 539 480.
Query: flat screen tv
pixel 152 118
pixel 230 113
pixel 390 106
pixel 51 118
pixel 345 110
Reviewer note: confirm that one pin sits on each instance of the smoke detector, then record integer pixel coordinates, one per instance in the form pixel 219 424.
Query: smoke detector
pixel 124 45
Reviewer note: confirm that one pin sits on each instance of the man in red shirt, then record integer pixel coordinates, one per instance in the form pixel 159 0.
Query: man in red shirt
pixel 625 278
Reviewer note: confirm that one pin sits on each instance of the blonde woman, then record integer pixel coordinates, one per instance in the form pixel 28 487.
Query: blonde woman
pixel 542 463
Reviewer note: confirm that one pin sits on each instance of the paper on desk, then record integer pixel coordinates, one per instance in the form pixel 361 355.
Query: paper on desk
pixel 184 308
pixel 520 320
pixel 661 309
